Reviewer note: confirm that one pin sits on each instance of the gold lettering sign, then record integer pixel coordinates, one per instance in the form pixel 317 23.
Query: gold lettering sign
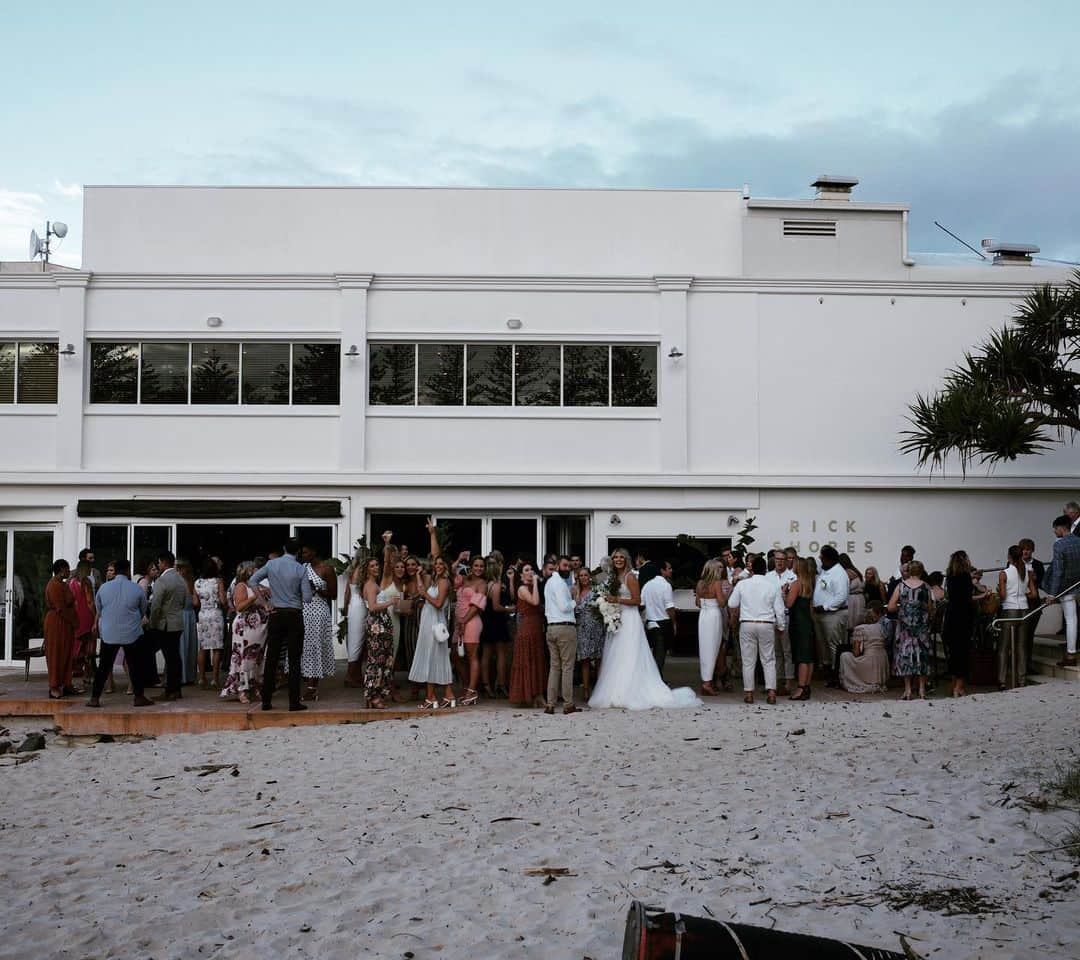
pixel 825 531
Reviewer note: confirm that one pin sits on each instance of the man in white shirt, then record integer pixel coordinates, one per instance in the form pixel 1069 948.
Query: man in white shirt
pixel 780 576
pixel 760 609
pixel 830 608
pixel 561 636
pixel 1072 511
pixel 659 601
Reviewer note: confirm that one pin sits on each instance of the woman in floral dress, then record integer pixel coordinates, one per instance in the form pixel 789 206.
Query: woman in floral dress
pixel 248 639
pixel 378 642
pixel 211 593
pixel 911 600
pixel 590 631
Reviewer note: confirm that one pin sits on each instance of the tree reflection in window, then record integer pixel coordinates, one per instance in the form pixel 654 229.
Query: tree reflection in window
pixel 38 369
pixel 537 375
pixel 633 376
pixel 164 373
pixel 585 376
pixel 265 378
pixel 441 374
pixel 391 374
pixel 7 373
pixel 316 373
pixel 490 374
pixel 215 372
pixel 114 372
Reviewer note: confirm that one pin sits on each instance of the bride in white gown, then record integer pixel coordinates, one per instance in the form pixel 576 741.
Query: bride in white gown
pixel 628 674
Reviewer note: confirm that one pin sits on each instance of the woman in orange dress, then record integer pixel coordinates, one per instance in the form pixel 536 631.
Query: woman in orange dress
pixel 528 672
pixel 61 619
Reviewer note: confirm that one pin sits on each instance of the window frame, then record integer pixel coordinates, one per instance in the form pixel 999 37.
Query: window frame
pixel 487 410
pixel 250 409
pixel 30 406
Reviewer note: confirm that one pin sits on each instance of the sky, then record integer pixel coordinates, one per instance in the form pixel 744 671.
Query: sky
pixel 969 112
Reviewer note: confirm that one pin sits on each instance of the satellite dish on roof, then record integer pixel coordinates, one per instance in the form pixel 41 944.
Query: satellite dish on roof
pixel 59 229
pixel 35 245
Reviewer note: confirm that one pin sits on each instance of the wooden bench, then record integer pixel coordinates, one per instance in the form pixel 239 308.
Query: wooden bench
pixel 28 654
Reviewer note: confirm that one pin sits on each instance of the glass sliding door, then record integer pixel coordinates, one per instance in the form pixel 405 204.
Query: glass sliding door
pixel 26 558
pixel 461 533
pixel 515 537
pixel 147 544
pixel 566 534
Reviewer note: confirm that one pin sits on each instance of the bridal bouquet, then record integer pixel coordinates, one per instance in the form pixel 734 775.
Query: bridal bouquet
pixel 610 613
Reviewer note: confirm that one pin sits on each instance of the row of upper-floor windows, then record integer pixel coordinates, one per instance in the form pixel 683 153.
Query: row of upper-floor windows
pixel 257 373
pixel 521 375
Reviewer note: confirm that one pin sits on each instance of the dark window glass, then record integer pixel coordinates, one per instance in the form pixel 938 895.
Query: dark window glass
pixel 7 373
pixel 108 543
pixel 442 372
pixel 215 372
pixel 490 372
pixel 633 376
pixel 391 374
pixel 164 373
pixel 114 373
pixel 585 375
pixel 537 370
pixel 149 543
pixel 316 373
pixel 266 373
pixel 37 372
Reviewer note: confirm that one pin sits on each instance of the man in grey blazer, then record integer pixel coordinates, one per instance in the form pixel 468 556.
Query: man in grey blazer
pixel 1063 572
pixel 167 622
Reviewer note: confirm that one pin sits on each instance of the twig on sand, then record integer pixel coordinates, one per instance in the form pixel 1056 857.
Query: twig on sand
pixel 914 816
pixel 265 823
pixel 906 947
pixel 209 768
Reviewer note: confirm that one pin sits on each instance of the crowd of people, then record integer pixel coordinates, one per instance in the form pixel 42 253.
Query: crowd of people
pixel 484 627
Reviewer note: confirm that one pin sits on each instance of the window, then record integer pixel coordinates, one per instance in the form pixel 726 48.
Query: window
pixel 490 374
pixel 114 372
pixel 266 373
pixel 213 372
pixel 164 376
pixel 504 375
pixel 585 376
pixel 633 376
pixel 392 374
pixel 28 372
pixel 537 375
pixel 441 374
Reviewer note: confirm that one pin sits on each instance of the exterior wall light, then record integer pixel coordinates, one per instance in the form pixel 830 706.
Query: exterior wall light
pixel 213 322
pixel 353 352
pixel 615 520
pixel 514 323
pixel 675 354
pixel 68 351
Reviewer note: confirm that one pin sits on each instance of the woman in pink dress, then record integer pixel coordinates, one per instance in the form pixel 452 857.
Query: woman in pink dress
pixel 471 599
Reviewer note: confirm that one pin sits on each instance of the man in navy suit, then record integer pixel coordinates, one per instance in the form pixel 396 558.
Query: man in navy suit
pixel 1063 572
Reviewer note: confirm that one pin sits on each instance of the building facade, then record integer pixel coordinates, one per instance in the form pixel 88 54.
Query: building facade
pixel 539 369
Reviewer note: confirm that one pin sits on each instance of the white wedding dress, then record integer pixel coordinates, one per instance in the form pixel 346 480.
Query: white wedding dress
pixel 357 614
pixel 628 674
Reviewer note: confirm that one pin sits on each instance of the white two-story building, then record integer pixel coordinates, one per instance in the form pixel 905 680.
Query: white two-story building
pixel 539 369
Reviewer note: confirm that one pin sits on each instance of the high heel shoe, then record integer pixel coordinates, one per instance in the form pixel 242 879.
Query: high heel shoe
pixel 311 692
pixel 449 704
pixel 430 705
pixel 470 699
pixel 805 695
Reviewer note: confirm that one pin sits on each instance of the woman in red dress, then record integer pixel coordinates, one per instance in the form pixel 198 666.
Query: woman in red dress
pixel 60 622
pixel 528 673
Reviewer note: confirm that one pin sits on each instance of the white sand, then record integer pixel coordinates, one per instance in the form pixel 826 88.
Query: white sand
pixel 386 844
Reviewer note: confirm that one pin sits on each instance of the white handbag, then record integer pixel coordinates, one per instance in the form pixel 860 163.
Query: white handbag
pixel 440 632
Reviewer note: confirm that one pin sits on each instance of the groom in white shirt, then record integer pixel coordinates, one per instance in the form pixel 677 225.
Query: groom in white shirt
pixel 561 636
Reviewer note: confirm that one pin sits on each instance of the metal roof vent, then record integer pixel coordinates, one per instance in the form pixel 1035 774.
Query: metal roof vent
pixel 831 187
pixel 809 228
pixel 1010 254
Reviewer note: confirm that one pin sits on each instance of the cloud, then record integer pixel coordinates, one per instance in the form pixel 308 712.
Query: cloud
pixel 19 214
pixel 67 189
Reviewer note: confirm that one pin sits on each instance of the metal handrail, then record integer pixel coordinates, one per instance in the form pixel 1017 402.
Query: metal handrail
pixel 1038 609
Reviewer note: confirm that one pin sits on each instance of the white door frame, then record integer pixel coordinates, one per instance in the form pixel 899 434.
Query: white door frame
pixel 7 640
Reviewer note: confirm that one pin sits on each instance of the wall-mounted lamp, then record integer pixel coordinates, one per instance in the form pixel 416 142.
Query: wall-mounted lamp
pixel 213 322
pixel 68 351
pixel 353 352
pixel 514 323
pixel 615 520
pixel 675 354
pixel 732 520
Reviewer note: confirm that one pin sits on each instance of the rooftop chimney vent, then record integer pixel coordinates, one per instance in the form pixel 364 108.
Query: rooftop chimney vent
pixel 832 187
pixel 1013 254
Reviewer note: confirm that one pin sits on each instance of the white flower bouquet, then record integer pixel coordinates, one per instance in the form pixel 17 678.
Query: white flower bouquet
pixel 610 613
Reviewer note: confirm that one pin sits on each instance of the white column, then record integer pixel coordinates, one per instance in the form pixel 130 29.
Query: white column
pixel 353 419
pixel 672 374
pixel 71 328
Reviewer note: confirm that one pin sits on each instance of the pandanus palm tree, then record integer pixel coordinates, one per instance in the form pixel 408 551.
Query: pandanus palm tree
pixel 1017 394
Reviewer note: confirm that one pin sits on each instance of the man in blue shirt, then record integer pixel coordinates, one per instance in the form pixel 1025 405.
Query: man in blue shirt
pixel 290 589
pixel 121 615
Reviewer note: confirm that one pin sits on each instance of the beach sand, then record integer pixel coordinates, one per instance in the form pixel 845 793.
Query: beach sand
pixel 412 838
